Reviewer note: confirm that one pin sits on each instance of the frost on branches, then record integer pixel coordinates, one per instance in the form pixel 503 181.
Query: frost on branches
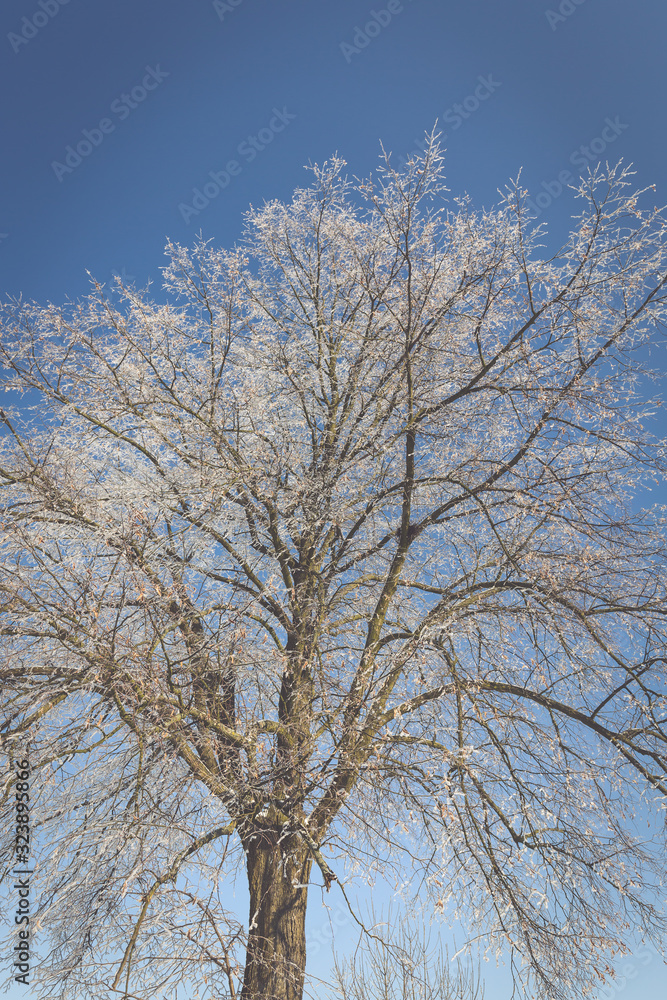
pixel 333 561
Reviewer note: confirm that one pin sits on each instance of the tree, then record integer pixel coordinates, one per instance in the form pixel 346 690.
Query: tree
pixel 408 967
pixel 338 558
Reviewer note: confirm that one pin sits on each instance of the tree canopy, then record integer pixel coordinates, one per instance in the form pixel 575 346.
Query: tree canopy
pixel 334 559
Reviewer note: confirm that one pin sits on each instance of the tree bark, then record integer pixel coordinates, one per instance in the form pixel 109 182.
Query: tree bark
pixel 278 870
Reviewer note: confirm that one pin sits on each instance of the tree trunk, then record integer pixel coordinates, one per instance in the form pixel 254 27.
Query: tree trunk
pixel 276 954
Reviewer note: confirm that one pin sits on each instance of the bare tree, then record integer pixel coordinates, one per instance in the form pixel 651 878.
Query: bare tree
pixel 398 961
pixel 337 559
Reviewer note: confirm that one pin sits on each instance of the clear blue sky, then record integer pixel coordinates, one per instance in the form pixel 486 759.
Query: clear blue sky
pixel 159 94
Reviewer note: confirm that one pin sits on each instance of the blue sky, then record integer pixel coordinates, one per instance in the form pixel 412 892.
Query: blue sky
pixel 115 114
